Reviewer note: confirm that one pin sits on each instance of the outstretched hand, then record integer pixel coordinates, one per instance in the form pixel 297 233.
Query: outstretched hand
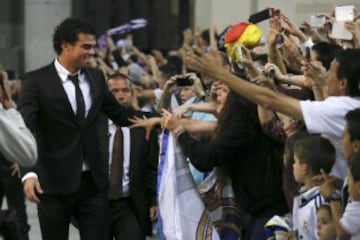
pixel 181 111
pixel 148 124
pixel 169 121
pixel 209 65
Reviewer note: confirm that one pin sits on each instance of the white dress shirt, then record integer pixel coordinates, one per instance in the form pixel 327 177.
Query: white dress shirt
pixel 126 156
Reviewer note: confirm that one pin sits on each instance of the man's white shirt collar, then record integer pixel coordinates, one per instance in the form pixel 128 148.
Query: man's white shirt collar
pixel 63 72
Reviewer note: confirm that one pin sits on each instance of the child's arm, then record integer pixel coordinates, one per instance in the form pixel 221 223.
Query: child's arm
pixel 337 215
pixel 330 194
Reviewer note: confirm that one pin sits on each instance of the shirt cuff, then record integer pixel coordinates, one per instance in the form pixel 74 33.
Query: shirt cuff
pixel 29 175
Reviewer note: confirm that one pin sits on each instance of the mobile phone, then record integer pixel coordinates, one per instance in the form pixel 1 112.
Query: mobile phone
pixel 261 15
pixel 307 54
pixel 182 81
pixel 339 31
pixel 317 21
pixel 345 13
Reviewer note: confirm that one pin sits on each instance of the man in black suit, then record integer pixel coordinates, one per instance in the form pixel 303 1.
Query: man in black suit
pixel 61 103
pixel 135 206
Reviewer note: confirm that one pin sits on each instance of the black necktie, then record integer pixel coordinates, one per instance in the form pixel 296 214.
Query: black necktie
pixel 80 104
pixel 116 170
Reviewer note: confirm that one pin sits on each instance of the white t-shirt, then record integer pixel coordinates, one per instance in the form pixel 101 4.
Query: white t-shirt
pixel 304 213
pixel 328 118
pixel 350 220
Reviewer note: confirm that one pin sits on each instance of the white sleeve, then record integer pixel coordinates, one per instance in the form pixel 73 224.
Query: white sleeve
pixel 325 117
pixel 308 43
pixel 350 220
pixel 17 144
pixel 158 92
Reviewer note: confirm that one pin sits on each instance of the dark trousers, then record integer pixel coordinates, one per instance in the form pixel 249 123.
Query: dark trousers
pixel 124 223
pixel 12 188
pixel 88 206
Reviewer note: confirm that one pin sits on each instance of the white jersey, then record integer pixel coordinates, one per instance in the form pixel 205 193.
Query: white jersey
pixel 305 213
pixel 350 220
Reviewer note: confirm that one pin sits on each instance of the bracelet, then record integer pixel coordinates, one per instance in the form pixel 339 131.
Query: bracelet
pixel 290 80
pixel 334 196
pixel 178 131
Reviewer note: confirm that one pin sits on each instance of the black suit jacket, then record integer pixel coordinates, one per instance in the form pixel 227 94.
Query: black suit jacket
pixel 63 144
pixel 143 175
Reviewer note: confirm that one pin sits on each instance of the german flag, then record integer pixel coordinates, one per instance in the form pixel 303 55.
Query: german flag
pixel 243 33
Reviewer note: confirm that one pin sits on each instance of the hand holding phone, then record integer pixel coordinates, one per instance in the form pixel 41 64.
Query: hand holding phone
pixel 263 15
pixel 317 21
pixel 184 80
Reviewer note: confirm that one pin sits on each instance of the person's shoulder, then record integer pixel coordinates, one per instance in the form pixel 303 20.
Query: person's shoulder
pixel 93 71
pixel 34 74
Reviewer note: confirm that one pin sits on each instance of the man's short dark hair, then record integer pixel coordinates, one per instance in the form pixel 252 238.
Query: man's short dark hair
pixel 317 152
pixel 119 75
pixel 353 124
pixel 349 68
pixel 68 30
pixel 326 52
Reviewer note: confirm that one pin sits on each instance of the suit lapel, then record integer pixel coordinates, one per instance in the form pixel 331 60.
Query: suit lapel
pixel 58 91
pixel 94 89
pixel 133 151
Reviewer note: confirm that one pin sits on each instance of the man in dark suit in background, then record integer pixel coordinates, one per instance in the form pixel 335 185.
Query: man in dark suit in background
pixel 61 103
pixel 133 204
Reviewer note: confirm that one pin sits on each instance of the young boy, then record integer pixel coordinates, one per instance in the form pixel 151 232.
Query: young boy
pixel 312 155
pixel 347 225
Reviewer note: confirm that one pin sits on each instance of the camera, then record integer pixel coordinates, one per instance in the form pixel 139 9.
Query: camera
pixel 184 80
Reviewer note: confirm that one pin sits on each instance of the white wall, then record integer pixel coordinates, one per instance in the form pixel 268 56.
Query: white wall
pixel 225 12
pixel 221 12
pixel 38 40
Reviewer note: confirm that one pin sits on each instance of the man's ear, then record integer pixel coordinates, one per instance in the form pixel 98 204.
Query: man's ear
pixel 356 146
pixel 357 184
pixel 305 168
pixel 65 45
pixel 343 86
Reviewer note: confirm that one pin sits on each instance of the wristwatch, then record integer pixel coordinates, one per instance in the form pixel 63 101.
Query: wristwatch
pixel 335 196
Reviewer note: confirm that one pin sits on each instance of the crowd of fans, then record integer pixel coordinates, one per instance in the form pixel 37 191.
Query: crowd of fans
pixel 281 119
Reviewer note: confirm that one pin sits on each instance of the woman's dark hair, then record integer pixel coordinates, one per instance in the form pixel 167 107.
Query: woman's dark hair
pixel 236 108
pixel 67 31
pixel 349 68
pixel 239 111
pixel 326 52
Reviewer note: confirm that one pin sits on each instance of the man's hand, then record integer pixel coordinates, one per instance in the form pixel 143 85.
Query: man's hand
pixel 180 111
pixel 153 213
pixel 31 189
pixel 15 170
pixel 148 124
pixel 169 121
pixel 5 90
